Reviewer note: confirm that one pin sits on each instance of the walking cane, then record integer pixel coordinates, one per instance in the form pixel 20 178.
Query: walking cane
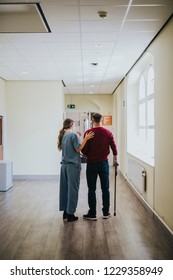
pixel 115 190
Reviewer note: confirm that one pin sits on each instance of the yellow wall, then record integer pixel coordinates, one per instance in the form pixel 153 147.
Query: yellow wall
pixel 163 55
pixel 119 102
pixel 91 102
pixel 159 193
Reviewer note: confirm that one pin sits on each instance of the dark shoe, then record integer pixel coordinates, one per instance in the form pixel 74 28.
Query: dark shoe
pixel 71 218
pixel 65 216
pixel 90 216
pixel 106 215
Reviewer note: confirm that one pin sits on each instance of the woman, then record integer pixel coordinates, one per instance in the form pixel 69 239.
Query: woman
pixel 68 142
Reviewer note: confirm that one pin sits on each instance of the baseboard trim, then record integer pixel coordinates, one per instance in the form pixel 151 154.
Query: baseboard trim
pixel 35 177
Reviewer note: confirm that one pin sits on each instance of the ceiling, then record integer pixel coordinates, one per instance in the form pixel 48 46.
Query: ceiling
pixel 88 53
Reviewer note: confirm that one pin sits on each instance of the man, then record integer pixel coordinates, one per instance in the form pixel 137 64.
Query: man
pixel 97 150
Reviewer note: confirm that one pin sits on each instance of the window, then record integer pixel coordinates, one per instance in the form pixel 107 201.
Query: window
pixel 150 112
pixel 146 114
pixel 140 114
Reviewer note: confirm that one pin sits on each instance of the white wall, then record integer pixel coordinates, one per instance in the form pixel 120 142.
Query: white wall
pixel 2 97
pixel 159 193
pixel 34 117
pixel 3 113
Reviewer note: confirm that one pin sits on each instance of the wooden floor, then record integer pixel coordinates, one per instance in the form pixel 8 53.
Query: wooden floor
pixel 31 227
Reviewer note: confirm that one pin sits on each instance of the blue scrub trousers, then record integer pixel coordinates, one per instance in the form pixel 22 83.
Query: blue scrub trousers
pixel 69 187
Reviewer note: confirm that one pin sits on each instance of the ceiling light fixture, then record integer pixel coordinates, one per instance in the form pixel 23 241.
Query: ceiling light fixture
pixel 94 64
pixel 102 14
pixel 22 18
pixel 98 46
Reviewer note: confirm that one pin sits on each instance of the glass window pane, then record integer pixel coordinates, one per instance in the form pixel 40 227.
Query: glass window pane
pixel 142 140
pixel 150 112
pixel 150 81
pixel 141 88
pixel 142 118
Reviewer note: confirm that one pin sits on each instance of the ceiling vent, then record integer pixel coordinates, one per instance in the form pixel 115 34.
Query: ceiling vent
pixel 22 18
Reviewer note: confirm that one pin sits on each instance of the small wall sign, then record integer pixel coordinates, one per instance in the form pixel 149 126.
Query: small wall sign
pixel 106 120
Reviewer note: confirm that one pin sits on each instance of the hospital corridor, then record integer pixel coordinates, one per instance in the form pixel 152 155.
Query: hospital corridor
pixel 62 64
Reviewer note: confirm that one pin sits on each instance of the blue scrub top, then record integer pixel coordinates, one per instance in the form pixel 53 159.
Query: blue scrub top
pixel 70 142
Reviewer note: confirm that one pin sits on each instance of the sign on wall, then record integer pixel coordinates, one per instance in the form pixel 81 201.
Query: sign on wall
pixel 106 120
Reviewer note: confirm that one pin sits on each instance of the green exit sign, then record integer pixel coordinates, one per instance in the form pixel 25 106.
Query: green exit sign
pixel 71 106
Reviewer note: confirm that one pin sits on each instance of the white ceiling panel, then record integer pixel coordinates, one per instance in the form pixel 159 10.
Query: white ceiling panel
pixel 64 45
pixel 34 52
pixel 103 2
pixel 28 47
pixel 63 26
pixel 62 12
pixel 59 2
pixel 137 36
pixel 65 52
pixel 100 36
pixel 9 52
pixel 23 37
pixel 149 13
pixel 79 38
pixel 100 26
pixel 153 2
pixel 143 26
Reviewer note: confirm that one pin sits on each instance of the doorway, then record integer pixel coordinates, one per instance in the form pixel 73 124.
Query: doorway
pixel 1 147
pixel 82 119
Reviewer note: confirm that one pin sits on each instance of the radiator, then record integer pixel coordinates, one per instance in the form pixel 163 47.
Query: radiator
pixel 136 175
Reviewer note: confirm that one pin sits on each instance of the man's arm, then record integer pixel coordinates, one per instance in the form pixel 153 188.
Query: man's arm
pixel 114 150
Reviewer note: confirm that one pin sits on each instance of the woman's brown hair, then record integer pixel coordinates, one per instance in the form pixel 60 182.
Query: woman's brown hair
pixel 66 125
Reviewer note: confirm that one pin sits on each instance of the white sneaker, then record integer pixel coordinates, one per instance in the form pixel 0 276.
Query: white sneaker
pixel 106 216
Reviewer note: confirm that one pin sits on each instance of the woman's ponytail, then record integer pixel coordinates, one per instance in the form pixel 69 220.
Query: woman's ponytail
pixel 66 125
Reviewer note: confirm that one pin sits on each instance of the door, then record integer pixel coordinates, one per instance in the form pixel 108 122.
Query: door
pixel 81 119
pixel 1 147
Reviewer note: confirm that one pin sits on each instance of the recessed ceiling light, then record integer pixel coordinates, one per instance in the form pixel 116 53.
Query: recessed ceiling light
pixel 98 46
pixel 94 64
pixel 92 86
pixel 24 72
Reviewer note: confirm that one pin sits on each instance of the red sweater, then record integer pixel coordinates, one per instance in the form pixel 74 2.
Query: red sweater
pixel 98 147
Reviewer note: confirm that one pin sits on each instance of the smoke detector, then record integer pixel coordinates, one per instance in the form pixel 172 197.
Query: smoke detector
pixel 102 14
